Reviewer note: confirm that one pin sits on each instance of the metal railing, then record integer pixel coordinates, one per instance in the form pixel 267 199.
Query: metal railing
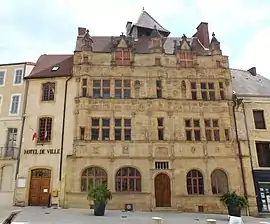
pixel 9 152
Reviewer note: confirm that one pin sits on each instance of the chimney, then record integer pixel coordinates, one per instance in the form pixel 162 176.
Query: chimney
pixel 253 71
pixel 128 28
pixel 81 31
pixel 203 34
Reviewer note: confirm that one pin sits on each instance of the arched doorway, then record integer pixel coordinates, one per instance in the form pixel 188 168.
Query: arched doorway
pixel 39 192
pixel 163 190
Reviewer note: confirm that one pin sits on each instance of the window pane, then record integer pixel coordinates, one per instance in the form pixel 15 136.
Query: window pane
pixel 188 135
pixel 106 122
pixel 117 134
pixel 106 83
pixel 96 93
pixel 95 121
pixel 126 93
pixel 105 134
pixel 117 122
pixel 118 83
pixel 118 93
pixel 94 133
pixel 127 122
pixel 106 93
pixel 127 83
pixel 127 134
pixel 97 83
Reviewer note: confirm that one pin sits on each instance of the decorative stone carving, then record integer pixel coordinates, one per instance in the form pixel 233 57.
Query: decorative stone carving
pixel 217 149
pixel 193 150
pixel 125 150
pixel 175 93
pixel 170 113
pixel 133 114
pixel 96 150
pixel 141 107
pixel 162 151
pixel 146 134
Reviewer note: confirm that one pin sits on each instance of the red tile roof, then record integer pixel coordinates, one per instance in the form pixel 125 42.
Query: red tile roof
pixel 45 63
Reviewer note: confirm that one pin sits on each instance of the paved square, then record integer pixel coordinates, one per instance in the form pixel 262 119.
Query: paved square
pixel 82 216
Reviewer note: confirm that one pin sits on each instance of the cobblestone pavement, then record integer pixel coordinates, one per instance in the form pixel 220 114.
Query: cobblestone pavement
pixel 39 215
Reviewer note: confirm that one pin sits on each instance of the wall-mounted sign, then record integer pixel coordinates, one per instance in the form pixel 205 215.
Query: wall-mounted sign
pixel 41 151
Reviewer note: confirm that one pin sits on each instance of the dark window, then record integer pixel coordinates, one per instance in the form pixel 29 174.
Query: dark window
pixel 159 88
pixel 128 179
pixel 122 130
pixel 222 91
pixel 122 89
pixel 160 128
pixel 208 91
pixel 12 137
pixel 93 176
pixel 195 182
pixel 212 129
pixel 95 129
pixel 163 165
pixel 84 87
pixel 101 89
pixel 259 122
pixel 227 134
pixel 48 90
pixel 193 87
pixel 219 182
pixel 105 129
pixel 45 129
pixel 263 153
pixel 82 133
pixel 192 127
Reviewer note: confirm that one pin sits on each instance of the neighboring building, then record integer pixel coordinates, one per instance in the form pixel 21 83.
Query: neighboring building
pixel 153 119
pixel 12 97
pixel 252 110
pixel 42 149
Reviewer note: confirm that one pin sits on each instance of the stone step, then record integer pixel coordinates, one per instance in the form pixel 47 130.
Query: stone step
pixel 164 209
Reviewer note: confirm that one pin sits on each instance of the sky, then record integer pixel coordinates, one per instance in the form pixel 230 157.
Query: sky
pixel 30 28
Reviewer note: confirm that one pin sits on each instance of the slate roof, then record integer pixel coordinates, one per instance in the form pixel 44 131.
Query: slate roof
pixel 147 21
pixel 46 62
pixel 245 84
pixel 103 44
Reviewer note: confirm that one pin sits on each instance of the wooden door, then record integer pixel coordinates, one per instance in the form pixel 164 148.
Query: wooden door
pixel 163 190
pixel 39 194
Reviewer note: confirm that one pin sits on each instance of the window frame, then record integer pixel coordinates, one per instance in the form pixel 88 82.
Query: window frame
pixel 197 177
pixel 221 187
pixel 39 141
pixel 94 178
pixel 193 129
pixel 43 86
pixel 15 76
pixel 123 88
pixel 263 119
pixel 19 104
pixel 212 129
pixel 122 60
pixel 4 77
pixel 128 177
pixel 101 88
pixel 185 61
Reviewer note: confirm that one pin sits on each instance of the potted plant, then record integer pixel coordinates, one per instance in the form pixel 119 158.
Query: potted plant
pixel 234 203
pixel 100 195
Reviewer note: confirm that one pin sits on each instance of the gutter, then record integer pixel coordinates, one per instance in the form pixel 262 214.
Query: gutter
pixel 240 155
pixel 63 130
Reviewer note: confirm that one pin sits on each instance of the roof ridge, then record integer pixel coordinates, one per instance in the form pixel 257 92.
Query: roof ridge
pixel 154 19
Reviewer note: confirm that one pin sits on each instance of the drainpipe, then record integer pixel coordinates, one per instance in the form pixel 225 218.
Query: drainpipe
pixel 21 132
pixel 63 130
pixel 240 155
pixel 249 146
pixel 23 122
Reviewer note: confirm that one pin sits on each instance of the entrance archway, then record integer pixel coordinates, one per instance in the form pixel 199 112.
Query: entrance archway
pixel 39 192
pixel 163 190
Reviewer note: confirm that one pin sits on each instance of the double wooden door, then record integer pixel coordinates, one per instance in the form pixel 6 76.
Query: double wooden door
pixel 39 194
pixel 163 190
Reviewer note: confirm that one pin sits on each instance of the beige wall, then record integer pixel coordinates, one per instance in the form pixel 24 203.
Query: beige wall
pixel 35 109
pixel 145 149
pixel 8 166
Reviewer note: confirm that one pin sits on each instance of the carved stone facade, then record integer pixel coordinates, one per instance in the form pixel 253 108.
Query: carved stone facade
pixel 170 127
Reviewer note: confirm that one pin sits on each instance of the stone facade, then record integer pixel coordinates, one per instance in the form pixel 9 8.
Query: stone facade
pixel 144 150
pixel 12 97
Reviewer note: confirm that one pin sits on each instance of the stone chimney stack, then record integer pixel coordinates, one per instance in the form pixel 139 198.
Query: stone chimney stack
pixel 81 31
pixel 128 28
pixel 203 34
pixel 253 71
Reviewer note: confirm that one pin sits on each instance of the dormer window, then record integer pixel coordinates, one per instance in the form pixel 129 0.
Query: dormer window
pixel 122 57
pixel 186 59
pixel 55 68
